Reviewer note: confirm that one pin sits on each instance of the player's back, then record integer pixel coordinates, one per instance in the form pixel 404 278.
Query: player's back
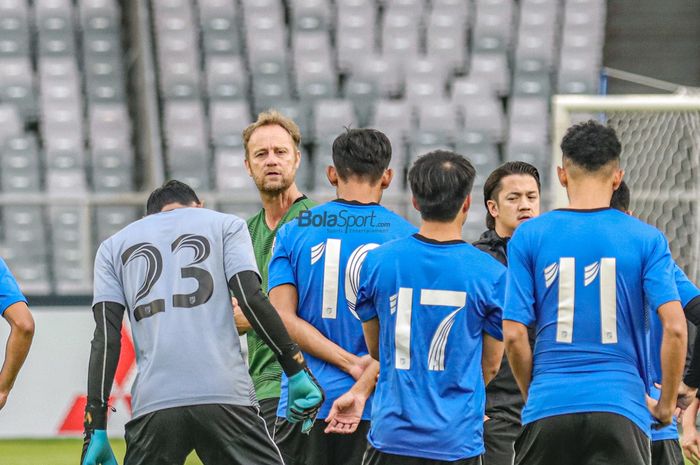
pixel 582 276
pixel 320 253
pixel 434 301
pixel 171 270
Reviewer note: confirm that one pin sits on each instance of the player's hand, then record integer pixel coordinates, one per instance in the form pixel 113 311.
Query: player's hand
pixel 360 366
pixel 662 414
pixel 690 442
pixel 346 413
pixel 305 398
pixel 242 324
pixel 686 394
pixel 96 449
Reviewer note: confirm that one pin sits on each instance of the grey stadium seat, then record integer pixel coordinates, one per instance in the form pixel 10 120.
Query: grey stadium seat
pixel 228 119
pixel 19 165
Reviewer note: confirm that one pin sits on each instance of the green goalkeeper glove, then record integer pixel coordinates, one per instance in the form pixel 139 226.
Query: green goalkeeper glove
pixel 96 448
pixel 305 398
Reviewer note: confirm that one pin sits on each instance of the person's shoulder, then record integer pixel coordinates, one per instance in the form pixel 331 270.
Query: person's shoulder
pixel 306 203
pixel 483 258
pixel 392 248
pixel 4 269
pixel 254 220
pixel 396 220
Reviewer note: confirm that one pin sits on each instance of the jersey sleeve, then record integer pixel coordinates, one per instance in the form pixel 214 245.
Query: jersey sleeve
pixel 9 289
pixel 107 286
pixel 280 270
pixel 238 248
pixel 658 274
pixel 520 283
pixel 365 305
pixel 687 291
pixel 493 306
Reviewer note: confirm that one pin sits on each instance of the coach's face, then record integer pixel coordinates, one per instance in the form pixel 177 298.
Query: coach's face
pixel 272 159
pixel 518 201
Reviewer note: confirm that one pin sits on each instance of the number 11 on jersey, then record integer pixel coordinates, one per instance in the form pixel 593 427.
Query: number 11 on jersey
pixel 603 270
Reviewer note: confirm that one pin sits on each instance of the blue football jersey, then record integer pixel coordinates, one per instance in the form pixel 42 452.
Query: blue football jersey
pixel 320 253
pixel 687 291
pixel 9 290
pixel 583 276
pixel 434 301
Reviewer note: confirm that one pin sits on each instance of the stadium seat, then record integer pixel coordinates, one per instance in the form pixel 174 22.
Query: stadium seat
pixel 231 175
pixel 310 15
pixel 228 119
pixel 484 116
pixel 226 78
pixel 19 165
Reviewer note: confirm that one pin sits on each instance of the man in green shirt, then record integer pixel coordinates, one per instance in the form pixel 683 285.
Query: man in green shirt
pixel 272 159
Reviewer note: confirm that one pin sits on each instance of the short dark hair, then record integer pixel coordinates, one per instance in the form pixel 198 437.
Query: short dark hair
pixel 364 153
pixel 172 191
pixel 591 145
pixel 492 186
pixel 440 181
pixel 621 198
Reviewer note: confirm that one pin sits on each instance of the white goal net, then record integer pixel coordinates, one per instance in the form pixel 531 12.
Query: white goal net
pixel 660 136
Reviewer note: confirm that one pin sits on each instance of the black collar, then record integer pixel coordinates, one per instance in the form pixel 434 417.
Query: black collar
pixel 436 242
pixel 583 210
pixel 354 202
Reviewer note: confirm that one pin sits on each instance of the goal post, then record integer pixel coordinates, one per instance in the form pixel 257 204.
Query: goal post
pixel 660 137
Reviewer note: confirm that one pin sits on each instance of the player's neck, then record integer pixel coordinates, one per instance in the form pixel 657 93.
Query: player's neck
pixel 441 232
pixel 589 194
pixel 277 205
pixel 359 191
pixel 502 231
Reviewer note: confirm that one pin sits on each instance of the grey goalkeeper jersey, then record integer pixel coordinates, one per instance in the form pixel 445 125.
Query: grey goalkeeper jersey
pixel 171 270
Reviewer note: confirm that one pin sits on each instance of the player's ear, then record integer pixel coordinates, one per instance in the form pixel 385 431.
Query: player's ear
pixel 467 204
pixel 246 162
pixel 492 207
pixel 617 178
pixel 332 175
pixel 297 158
pixel 563 177
pixel 386 178
pixel 415 204
pixel 199 204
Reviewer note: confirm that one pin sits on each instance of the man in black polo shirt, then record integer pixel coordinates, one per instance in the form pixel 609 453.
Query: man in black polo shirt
pixel 511 195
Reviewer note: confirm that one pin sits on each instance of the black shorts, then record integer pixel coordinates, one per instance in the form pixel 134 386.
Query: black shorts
pixel 319 448
pixel 375 457
pixel 666 452
pixel 268 410
pixel 499 439
pixel 218 433
pixel 595 438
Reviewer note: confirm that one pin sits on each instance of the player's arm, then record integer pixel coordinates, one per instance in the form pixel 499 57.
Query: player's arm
pixel 104 357
pixel 519 353
pixel 491 356
pixel 305 394
pixel 21 324
pixel 673 348
pixel 371 330
pixel 285 299
pixel 692 377
pixel 346 412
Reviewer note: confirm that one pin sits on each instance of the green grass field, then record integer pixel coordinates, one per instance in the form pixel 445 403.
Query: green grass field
pixel 57 452
pixel 61 452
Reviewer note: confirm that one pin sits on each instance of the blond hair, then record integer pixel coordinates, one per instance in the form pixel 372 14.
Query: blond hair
pixel 269 118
